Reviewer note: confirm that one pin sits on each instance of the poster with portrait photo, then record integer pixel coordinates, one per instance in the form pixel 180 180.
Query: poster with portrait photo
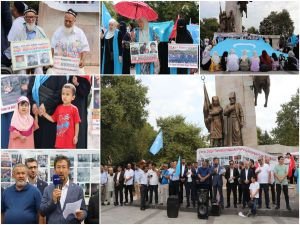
pixel 143 52
pixel 32 60
pixel 44 58
pixel 183 55
pixel 83 160
pixel 6 174
pixel 42 160
pixel 83 174
pixel 12 87
pixel 96 81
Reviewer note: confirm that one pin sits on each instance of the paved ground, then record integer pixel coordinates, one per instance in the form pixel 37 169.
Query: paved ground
pixel 132 215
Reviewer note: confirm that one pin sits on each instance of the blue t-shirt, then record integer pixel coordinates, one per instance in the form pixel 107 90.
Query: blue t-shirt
pixel 21 207
pixel 164 180
pixel 204 172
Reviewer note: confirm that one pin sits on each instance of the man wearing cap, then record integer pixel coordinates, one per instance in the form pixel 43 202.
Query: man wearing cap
pixel 30 31
pixel 70 41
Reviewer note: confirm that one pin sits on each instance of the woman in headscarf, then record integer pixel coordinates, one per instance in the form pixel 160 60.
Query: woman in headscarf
pixel 275 62
pixel 183 36
pixel 244 62
pixel 292 62
pixel 224 60
pixel 125 48
pixel 215 61
pixel 112 53
pixel 144 34
pixel 265 62
pixel 232 61
pixel 255 61
pixel 206 60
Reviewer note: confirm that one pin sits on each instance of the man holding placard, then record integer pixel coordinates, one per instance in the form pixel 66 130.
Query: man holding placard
pixel 69 46
pixel 29 31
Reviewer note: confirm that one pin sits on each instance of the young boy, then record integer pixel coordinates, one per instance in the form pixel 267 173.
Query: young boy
pixel 67 118
pixel 254 195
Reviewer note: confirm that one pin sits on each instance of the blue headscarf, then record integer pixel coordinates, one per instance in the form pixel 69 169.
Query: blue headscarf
pixel 38 81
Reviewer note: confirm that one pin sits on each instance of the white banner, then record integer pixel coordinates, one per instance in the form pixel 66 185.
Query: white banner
pixel 65 65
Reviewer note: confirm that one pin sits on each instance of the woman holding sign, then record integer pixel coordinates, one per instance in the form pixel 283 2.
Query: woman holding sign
pixel 112 53
pixel 183 36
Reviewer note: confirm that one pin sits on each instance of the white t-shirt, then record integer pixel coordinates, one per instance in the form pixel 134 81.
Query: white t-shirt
pixel 154 179
pixel 127 174
pixel 272 166
pixel 263 175
pixel 253 187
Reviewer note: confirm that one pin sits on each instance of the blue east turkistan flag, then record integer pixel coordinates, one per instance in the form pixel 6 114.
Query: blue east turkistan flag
pixel 177 173
pixel 162 29
pixel 194 29
pixel 105 16
pixel 157 144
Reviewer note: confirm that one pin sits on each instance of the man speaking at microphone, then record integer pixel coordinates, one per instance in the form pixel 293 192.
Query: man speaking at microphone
pixel 56 196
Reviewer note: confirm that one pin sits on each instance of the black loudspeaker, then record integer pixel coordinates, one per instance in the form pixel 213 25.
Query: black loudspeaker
pixel 215 209
pixel 172 206
pixel 203 203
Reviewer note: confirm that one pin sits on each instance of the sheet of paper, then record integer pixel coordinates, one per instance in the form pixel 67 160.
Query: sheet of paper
pixel 71 208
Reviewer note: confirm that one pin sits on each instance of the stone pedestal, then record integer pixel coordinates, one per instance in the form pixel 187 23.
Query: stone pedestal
pixel 245 96
pixel 232 5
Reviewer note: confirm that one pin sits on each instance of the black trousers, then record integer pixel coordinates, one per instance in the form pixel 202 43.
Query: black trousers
pixel 220 190
pixel 240 190
pixel 181 192
pixel 155 189
pixel 246 193
pixel 272 186
pixel 130 189
pixel 285 192
pixel 144 193
pixel 119 191
pixel 264 187
pixel 174 187
pixel 190 192
pixel 231 188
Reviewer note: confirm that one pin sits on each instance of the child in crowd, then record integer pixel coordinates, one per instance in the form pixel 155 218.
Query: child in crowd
pixel 254 195
pixel 67 118
pixel 22 126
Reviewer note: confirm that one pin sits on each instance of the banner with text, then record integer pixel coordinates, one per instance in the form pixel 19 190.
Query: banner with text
pixel 183 55
pixel 65 65
pixel 144 52
pixel 31 54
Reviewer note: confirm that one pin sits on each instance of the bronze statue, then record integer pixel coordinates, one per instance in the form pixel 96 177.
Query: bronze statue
pixel 215 120
pixel 234 122
pixel 261 83
pixel 243 7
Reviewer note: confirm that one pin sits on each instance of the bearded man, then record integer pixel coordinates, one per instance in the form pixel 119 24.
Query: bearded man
pixel 20 202
pixel 70 41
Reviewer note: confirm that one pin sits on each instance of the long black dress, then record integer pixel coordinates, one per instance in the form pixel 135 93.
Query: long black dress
pixel 45 136
pixel 125 48
pixel 109 53
pixel 81 102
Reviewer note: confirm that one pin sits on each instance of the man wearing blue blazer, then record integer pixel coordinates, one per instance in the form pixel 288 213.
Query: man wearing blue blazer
pixel 217 173
pixel 56 197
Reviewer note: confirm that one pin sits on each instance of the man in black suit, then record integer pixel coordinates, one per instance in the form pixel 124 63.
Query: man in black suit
pixel 190 180
pixel 231 175
pixel 245 179
pixel 119 183
pixel 33 178
pixel 93 210
pixel 182 180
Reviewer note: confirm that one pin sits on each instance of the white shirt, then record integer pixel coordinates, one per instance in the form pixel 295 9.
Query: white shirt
pixel 189 175
pixel 154 179
pixel 110 182
pixel 246 173
pixel 64 192
pixel 16 28
pixel 127 174
pixel 118 176
pixel 182 170
pixel 263 176
pixel 69 45
pixel 272 166
pixel 253 187
pixel 143 179
pixel 231 172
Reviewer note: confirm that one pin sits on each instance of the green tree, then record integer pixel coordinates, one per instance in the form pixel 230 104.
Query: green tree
pixel 180 139
pixel 287 130
pixel 125 134
pixel 252 30
pixel 264 138
pixel 277 23
pixel 208 26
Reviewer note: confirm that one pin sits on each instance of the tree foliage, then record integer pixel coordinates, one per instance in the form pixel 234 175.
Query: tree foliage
pixel 208 26
pixel 277 23
pixel 264 138
pixel 287 130
pixel 252 30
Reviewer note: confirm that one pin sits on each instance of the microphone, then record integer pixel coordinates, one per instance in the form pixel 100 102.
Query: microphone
pixel 57 183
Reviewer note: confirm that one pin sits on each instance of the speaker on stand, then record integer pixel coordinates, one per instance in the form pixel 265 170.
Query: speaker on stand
pixel 203 203
pixel 173 206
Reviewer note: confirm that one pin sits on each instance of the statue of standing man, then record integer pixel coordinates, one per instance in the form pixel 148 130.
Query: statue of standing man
pixel 215 119
pixel 235 121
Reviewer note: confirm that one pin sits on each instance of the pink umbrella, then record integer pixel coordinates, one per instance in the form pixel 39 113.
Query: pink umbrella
pixel 135 10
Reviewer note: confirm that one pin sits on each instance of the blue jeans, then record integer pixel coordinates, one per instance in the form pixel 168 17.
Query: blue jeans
pixel 253 210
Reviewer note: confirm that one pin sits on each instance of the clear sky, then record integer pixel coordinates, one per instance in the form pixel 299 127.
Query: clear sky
pixel 257 11
pixel 173 95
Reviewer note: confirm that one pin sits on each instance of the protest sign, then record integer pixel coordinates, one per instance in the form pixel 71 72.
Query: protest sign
pixel 183 55
pixel 12 87
pixel 141 52
pixel 30 54
pixel 65 65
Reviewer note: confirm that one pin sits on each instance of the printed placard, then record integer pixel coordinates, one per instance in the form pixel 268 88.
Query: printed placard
pixel 141 52
pixel 183 55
